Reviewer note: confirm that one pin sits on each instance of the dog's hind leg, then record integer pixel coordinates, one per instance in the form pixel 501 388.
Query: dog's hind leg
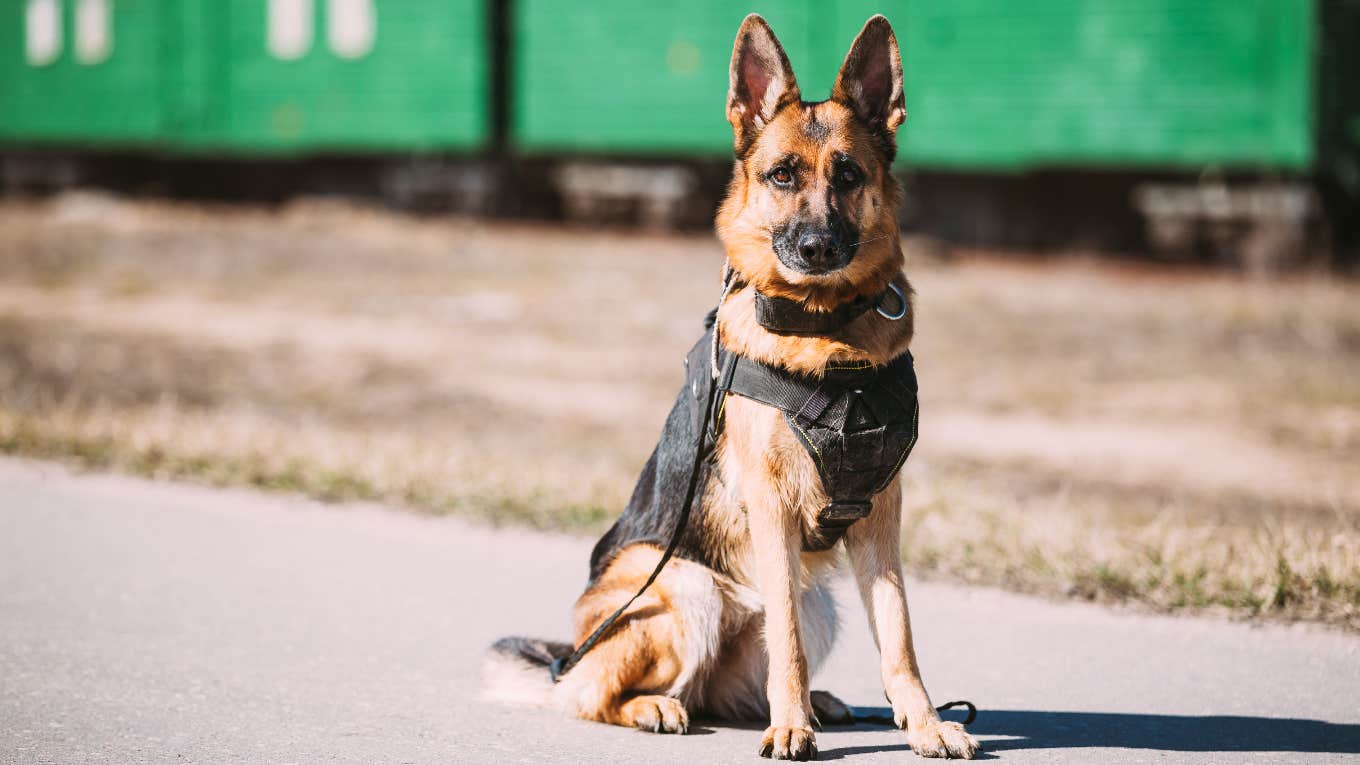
pixel 638 674
pixel 623 679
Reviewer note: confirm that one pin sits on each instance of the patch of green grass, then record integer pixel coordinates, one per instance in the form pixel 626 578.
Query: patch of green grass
pixel 1248 570
pixel 1105 582
pixel 1299 565
pixel 1285 585
pixel 1185 590
pixel 534 508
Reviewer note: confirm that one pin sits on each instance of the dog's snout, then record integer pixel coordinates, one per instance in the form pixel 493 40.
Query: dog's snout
pixel 813 249
pixel 815 246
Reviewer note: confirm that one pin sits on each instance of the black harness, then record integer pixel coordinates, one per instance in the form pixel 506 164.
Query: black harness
pixel 858 423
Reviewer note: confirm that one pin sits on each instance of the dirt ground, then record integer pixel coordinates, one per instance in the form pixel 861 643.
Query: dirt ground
pixel 1174 439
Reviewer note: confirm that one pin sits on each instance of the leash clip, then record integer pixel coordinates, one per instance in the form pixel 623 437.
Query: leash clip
pixel 901 299
pixel 558 667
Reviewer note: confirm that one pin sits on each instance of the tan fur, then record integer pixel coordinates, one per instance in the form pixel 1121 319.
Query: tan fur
pixel 694 636
pixel 744 645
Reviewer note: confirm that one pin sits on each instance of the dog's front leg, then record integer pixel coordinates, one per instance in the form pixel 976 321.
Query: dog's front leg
pixel 776 541
pixel 874 546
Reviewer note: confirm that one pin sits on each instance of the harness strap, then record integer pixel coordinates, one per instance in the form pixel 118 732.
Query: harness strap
pixel 806 398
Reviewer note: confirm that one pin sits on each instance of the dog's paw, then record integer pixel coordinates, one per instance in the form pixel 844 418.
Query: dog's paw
pixel 786 743
pixel 658 714
pixel 942 738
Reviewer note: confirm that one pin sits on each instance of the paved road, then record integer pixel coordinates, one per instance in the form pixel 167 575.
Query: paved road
pixel 150 622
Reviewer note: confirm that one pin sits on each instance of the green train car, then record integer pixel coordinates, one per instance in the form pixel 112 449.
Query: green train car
pixel 1163 83
pixel 989 85
pixel 245 76
pixel 1070 102
pixel 1037 124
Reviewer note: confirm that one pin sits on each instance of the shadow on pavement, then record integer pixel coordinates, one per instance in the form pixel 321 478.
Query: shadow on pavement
pixel 1172 733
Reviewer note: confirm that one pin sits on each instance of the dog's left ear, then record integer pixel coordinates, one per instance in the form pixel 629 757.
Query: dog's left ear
pixel 870 81
pixel 761 81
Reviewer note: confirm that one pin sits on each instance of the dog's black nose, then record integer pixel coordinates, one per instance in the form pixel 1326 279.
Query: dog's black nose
pixel 815 246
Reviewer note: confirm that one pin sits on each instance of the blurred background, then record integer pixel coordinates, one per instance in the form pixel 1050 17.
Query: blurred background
pixel 448 254
pixel 1224 131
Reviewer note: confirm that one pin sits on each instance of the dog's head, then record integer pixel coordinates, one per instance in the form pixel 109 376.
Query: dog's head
pixel 810 213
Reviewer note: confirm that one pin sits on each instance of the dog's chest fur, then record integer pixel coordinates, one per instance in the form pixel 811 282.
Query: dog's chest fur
pixel 759 455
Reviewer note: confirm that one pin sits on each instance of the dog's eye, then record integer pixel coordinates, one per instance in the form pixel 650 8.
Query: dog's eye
pixel 847 176
pixel 781 176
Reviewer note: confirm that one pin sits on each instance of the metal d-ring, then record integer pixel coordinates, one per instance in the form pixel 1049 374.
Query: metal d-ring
pixel 900 299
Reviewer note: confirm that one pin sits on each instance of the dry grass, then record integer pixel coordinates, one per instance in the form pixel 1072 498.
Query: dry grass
pixel 1180 441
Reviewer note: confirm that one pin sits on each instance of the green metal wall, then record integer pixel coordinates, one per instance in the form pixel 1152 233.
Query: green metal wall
pixel 423 86
pixel 197 75
pixel 618 75
pixel 116 101
pixel 1063 82
pixel 989 84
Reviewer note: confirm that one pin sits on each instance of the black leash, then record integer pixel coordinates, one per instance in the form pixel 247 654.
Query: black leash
pixel 877 719
pixel 563 665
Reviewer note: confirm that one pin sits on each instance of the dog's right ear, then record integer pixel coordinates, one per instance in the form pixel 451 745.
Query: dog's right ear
pixel 760 81
pixel 870 81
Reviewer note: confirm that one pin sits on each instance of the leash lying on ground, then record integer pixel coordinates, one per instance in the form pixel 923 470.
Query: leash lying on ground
pixel 876 719
pixel 562 665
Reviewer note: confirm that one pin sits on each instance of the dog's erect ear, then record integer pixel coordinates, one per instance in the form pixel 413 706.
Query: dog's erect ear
pixel 870 81
pixel 760 81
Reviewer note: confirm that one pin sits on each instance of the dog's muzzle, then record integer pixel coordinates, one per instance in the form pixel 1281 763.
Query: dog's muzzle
pixel 815 250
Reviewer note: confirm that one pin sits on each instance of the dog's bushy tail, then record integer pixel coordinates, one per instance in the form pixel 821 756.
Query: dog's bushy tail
pixel 515 670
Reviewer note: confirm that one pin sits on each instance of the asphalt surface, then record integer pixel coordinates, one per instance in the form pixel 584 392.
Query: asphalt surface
pixel 144 622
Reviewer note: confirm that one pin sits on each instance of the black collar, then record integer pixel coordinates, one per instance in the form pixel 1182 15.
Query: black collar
pixel 783 316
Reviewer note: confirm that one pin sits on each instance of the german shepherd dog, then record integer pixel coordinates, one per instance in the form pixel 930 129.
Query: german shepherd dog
pixel 733 627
